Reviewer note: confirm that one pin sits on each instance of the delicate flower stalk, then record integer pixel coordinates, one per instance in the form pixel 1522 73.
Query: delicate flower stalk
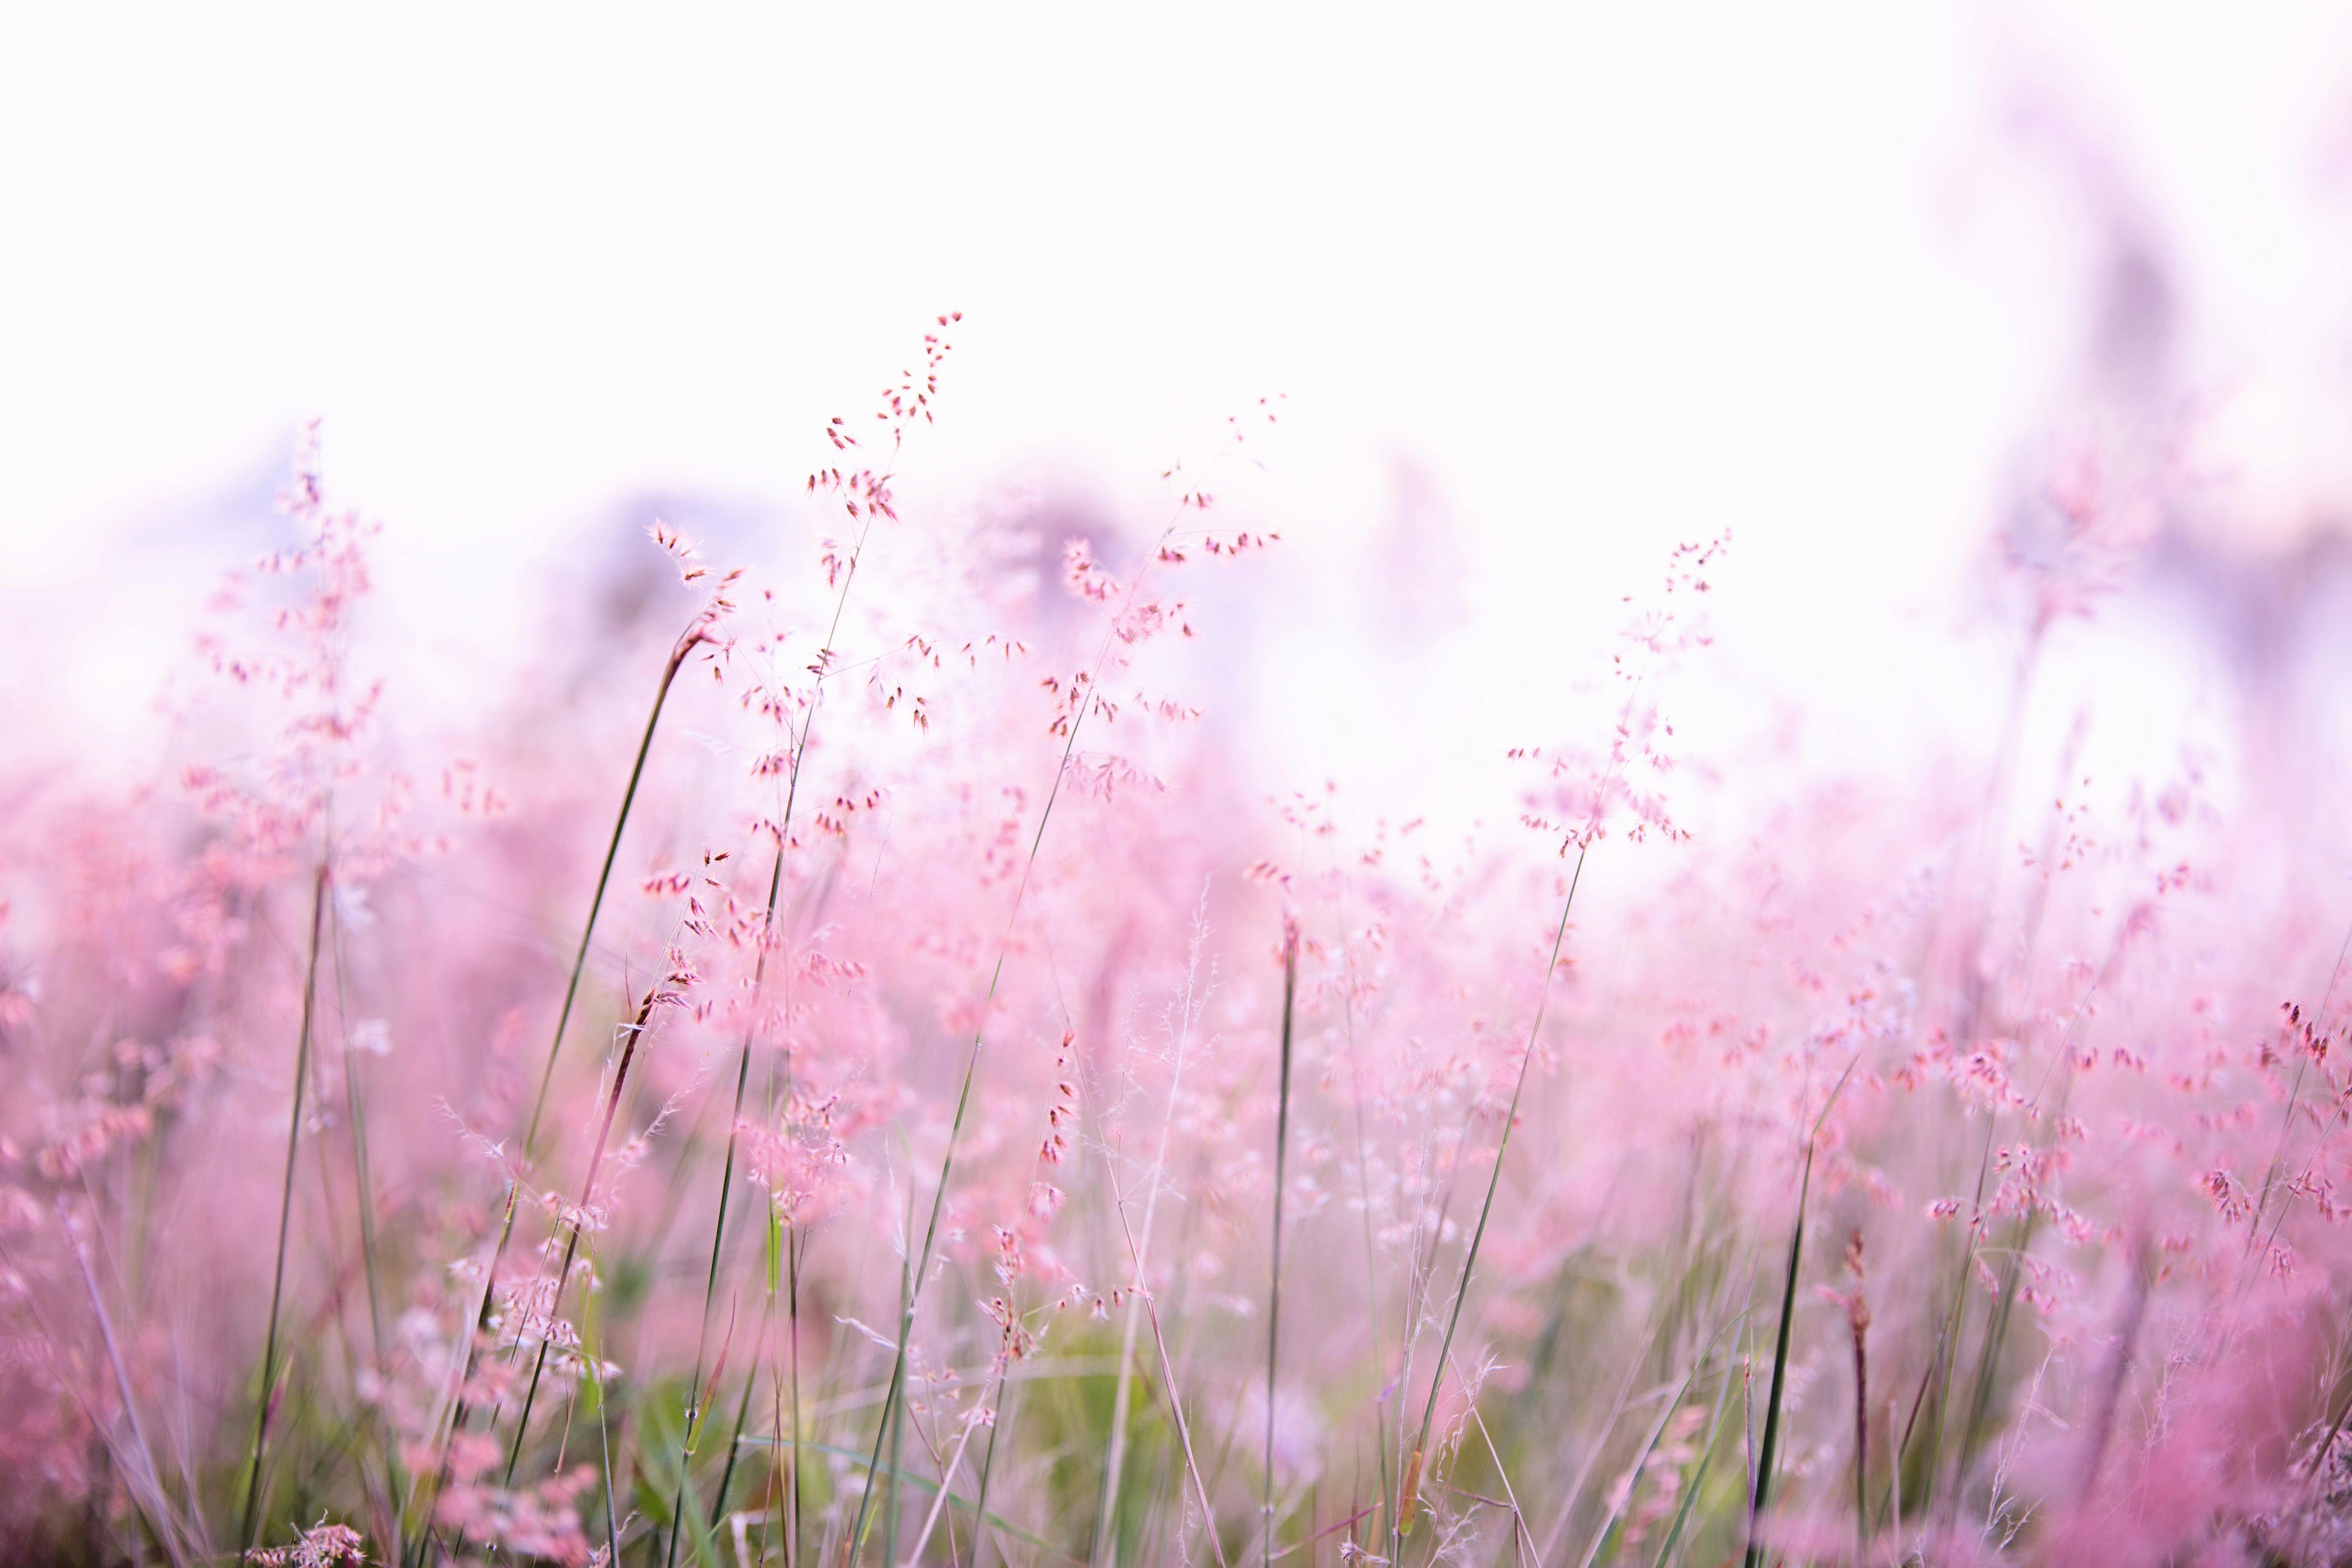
pixel 1137 1294
pixel 1609 1533
pixel 768 937
pixel 1407 1493
pixel 699 632
pixel 1076 721
pixel 1857 1317
pixel 1281 1166
pixel 631 1036
pixel 247 1532
pixel 364 1200
pixel 1696 1484
pixel 146 1481
pixel 692 638
pixel 2182 1186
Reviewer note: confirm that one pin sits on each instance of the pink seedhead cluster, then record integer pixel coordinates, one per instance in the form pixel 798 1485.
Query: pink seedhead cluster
pixel 851 1067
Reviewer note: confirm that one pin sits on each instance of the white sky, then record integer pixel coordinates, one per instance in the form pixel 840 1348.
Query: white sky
pixel 1611 275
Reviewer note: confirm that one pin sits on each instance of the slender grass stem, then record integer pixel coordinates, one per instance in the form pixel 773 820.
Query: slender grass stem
pixel 1175 1403
pixel 1494 1180
pixel 1363 1180
pixel 823 667
pixel 363 1188
pixel 355 1106
pixel 1105 1540
pixel 1989 1356
pixel 996 1430
pixel 687 641
pixel 1768 1452
pixel 793 1327
pixel 1274 1287
pixel 269 1365
pixel 727 1176
pixel 686 644
pixel 1607 1535
pixel 1698 1481
pixel 1076 722
pixel 631 1037
pixel 940 1498
pixel 145 1482
pixel 1599 1440
pixel 735 1440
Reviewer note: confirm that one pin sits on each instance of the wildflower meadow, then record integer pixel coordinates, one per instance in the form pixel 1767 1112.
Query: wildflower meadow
pixel 836 1060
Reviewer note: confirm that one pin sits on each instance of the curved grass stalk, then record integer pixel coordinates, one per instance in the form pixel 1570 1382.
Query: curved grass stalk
pixel 687 643
pixel 689 640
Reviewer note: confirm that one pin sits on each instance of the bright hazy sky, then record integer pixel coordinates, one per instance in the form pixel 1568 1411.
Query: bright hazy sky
pixel 1608 276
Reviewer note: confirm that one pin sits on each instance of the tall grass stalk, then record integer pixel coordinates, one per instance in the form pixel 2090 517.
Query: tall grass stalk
pixel 363 1187
pixel 1697 1480
pixel 822 666
pixel 1936 1381
pixel 1760 1501
pixel 1997 1312
pixel 1607 1533
pixel 1402 1525
pixel 687 643
pixel 269 1365
pixel 1859 1319
pixel 1363 1180
pixel 1105 1540
pixel 1274 1286
pixel 1988 1357
pixel 947 1165
pixel 631 1037
pixel 726 1189
pixel 980 1036
pixel 1599 1440
pixel 1175 1413
pixel 1520 1533
pixel 742 1413
pixel 947 1478
pixel 146 1484
pixel 997 1427
pixel 1768 1453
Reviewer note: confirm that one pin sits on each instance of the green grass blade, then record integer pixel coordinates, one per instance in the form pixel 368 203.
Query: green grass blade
pixel 1768 1452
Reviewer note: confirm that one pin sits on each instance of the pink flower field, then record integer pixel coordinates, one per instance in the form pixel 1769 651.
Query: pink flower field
pixel 833 1069
pixel 1568 794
